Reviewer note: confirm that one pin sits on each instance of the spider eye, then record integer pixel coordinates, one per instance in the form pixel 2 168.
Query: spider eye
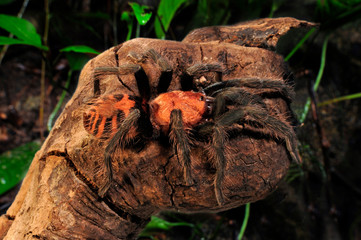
pixel 201 98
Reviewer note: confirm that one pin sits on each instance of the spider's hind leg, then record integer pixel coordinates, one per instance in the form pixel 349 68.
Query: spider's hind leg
pixel 119 140
pixel 180 142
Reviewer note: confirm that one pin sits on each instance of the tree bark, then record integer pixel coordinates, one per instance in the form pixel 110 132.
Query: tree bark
pixel 59 196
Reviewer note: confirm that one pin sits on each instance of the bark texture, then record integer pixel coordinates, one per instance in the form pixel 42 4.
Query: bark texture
pixel 59 196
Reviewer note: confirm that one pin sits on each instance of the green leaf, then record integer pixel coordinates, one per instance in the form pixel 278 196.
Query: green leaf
pixel 128 18
pixel 5 2
pixel 76 55
pixel 10 41
pixel 22 29
pixel 13 41
pixel 157 223
pixel 14 165
pixel 79 49
pixel 339 99
pixel 140 14
pixel 76 60
pixel 166 12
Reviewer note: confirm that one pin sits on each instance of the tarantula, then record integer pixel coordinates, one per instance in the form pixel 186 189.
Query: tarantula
pixel 212 110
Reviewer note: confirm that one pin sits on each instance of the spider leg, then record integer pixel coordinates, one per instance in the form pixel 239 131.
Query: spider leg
pixel 249 108
pixel 256 111
pixel 204 73
pixel 158 59
pixel 218 140
pixel 165 77
pixel 119 140
pixel 166 69
pixel 268 85
pixel 235 95
pixel 217 148
pixel 203 67
pixel 180 143
pixel 121 70
pixel 275 128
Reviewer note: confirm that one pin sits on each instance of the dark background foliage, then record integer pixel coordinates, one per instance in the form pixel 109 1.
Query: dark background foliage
pixel 319 200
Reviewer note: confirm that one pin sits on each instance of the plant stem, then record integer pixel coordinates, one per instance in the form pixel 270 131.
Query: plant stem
pixel 43 71
pixel 137 30
pixel 300 43
pixel 339 99
pixel 245 221
pixel 60 102
pixel 318 79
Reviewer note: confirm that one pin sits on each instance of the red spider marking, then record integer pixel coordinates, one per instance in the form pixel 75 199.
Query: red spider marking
pixel 195 106
pixel 105 115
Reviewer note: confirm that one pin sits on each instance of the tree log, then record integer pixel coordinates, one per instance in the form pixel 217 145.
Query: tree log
pixel 59 196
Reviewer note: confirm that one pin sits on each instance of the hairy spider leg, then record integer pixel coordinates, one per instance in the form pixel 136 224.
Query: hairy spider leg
pixel 180 141
pixel 218 149
pixel 273 86
pixel 125 69
pixel 165 77
pixel 223 120
pixel 198 71
pixel 131 115
pixel 275 128
pixel 119 140
pixel 256 111
pixel 250 109
pixel 234 95
pixel 203 68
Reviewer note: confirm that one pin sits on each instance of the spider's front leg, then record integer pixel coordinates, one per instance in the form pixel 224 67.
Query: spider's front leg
pixel 234 106
pixel 165 68
pixel 256 112
pixel 180 140
pixel 259 86
pixel 271 126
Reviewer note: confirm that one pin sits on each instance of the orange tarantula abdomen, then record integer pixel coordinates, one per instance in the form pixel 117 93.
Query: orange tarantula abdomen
pixel 105 115
pixel 194 106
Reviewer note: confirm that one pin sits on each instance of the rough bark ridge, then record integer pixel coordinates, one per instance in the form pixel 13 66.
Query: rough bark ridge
pixel 58 198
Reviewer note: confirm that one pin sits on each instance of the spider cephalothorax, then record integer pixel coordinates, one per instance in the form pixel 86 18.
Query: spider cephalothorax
pixel 175 114
pixel 194 106
pixel 206 107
